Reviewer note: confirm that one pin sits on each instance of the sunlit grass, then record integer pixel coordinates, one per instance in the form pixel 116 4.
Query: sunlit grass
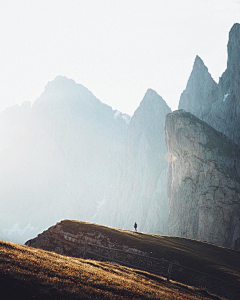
pixel 39 274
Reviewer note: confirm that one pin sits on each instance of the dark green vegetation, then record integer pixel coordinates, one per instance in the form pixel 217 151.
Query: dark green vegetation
pixel 29 273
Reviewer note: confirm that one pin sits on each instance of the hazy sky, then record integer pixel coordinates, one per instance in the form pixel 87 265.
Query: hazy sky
pixel 116 48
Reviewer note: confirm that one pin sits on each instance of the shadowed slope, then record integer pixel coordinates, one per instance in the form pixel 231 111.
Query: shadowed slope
pixel 68 237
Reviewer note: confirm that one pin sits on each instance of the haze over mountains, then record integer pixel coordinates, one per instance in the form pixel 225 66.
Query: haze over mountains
pixel 140 192
pixel 71 156
pixel 58 158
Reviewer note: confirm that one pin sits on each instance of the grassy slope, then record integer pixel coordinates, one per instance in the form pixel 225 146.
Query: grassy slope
pixel 28 273
pixel 216 261
pixel 219 262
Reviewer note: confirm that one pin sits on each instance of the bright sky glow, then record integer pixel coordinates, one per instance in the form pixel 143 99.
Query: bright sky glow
pixel 116 48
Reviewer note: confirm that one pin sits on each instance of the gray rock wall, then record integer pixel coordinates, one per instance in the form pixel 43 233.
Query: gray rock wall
pixel 203 181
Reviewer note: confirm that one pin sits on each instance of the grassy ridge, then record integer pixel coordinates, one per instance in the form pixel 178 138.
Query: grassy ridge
pixel 28 273
pixel 221 265
pixel 216 261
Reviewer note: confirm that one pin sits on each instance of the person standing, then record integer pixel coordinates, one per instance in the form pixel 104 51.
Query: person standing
pixel 135 226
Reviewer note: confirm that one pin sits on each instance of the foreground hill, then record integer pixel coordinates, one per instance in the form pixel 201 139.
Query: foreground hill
pixel 194 263
pixel 27 273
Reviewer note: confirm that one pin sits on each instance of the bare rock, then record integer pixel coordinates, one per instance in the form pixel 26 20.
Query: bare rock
pixel 203 181
pixel 200 92
pixel 217 104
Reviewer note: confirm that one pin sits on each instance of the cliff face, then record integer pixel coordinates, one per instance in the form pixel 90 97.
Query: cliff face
pixel 218 105
pixel 203 181
pixel 141 189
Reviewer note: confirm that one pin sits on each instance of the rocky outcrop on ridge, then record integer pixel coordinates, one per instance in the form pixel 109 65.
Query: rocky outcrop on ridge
pixel 203 181
pixel 140 192
pixel 88 240
pixel 218 105
pixel 73 238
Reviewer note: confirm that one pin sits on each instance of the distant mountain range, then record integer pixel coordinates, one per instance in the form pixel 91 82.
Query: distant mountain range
pixel 69 156
pixel 58 158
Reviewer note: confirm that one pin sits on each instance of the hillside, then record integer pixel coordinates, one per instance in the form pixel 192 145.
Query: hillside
pixel 194 263
pixel 27 273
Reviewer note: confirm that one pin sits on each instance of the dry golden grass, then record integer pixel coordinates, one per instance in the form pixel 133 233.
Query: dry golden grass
pixel 28 273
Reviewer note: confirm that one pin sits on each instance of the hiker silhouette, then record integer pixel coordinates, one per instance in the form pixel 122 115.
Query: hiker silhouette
pixel 135 226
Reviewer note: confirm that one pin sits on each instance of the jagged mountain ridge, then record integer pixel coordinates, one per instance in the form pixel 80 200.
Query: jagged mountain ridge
pixel 87 144
pixel 71 156
pixel 217 104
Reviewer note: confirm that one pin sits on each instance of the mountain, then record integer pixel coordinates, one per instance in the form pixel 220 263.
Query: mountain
pixel 57 158
pixel 217 104
pixel 203 181
pixel 71 156
pixel 214 269
pixel 140 192
pixel 201 91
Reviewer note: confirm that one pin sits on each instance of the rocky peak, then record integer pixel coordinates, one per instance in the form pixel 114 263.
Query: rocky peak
pixel 63 91
pixel 225 112
pixel 152 106
pixel 233 64
pixel 199 64
pixel 217 104
pixel 151 103
pixel 148 121
pixel 199 70
pixel 151 96
pixel 229 81
pixel 197 97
